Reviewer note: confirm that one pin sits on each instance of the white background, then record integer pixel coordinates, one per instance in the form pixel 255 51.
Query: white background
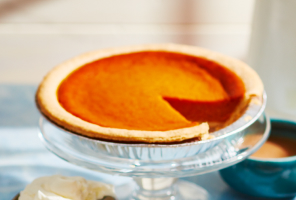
pixel 36 35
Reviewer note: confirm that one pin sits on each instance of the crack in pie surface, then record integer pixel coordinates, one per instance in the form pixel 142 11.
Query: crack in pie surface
pixel 159 93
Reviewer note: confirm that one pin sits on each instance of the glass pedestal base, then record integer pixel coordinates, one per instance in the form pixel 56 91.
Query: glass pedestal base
pixel 161 189
pixel 167 189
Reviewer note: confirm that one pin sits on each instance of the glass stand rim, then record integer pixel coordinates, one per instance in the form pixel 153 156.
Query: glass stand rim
pixel 148 174
pixel 87 155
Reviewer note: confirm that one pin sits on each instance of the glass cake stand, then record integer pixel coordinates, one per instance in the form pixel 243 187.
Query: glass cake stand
pixel 155 168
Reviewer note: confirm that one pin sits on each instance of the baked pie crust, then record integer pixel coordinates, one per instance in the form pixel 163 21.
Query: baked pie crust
pixel 56 95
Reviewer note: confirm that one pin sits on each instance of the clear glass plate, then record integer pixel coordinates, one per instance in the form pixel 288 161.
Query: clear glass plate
pixel 155 167
pixel 145 160
pixel 156 179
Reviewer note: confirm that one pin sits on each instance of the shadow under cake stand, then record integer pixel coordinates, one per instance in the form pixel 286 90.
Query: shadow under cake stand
pixel 156 168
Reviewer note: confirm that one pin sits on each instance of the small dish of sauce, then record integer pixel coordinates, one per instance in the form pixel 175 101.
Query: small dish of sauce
pixel 277 147
pixel 271 171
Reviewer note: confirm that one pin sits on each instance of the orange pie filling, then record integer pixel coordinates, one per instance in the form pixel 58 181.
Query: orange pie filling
pixel 152 91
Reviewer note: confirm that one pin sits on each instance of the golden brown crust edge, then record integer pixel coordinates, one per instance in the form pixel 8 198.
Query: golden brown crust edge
pixel 47 102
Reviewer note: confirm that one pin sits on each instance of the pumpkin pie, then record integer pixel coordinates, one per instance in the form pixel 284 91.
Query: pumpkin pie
pixel 158 93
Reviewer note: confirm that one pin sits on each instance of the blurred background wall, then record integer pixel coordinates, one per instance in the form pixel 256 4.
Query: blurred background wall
pixel 36 35
pixel 272 53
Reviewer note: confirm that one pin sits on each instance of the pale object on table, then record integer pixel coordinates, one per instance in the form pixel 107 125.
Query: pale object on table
pixel 59 187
